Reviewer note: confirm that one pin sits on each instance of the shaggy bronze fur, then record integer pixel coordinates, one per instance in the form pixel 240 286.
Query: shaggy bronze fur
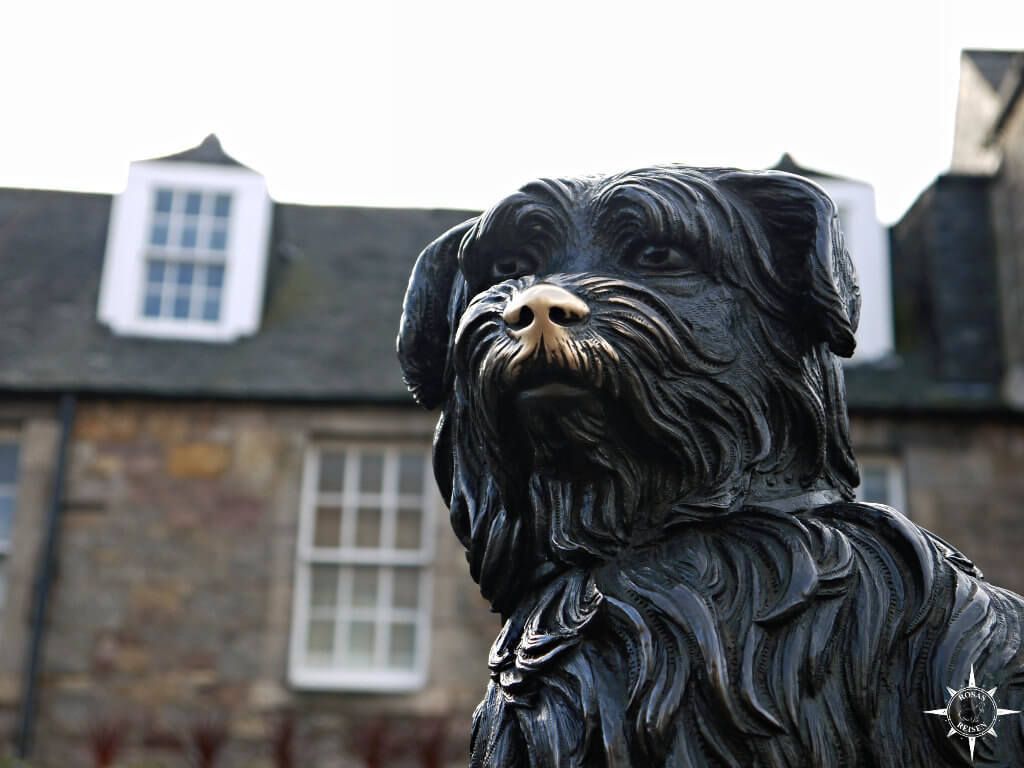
pixel 657 494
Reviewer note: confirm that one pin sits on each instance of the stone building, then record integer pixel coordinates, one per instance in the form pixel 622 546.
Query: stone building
pixel 945 411
pixel 211 471
pixel 248 527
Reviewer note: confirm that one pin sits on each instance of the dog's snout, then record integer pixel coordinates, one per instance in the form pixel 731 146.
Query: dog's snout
pixel 543 306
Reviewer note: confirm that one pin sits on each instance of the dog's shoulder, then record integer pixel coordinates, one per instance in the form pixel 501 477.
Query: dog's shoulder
pixel 954 626
pixel 891 527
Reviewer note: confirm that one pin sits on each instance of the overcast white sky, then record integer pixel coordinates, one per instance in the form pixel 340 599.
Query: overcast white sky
pixel 454 104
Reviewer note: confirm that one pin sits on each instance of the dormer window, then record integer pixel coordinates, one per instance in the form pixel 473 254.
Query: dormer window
pixel 187 249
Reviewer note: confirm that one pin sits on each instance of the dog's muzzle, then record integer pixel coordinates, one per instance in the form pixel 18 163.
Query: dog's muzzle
pixel 541 318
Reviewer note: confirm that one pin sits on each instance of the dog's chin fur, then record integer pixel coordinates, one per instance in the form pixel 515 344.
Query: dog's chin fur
pixel 662 509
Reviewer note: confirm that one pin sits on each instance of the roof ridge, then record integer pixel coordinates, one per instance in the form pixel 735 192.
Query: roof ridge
pixel 208 152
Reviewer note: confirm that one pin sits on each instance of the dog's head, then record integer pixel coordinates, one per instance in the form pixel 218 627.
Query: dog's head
pixel 618 355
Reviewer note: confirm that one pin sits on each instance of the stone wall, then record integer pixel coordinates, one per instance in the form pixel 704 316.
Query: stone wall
pixel 964 480
pixel 172 605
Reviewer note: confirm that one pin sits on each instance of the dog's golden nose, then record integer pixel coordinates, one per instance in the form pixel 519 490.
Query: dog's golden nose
pixel 542 307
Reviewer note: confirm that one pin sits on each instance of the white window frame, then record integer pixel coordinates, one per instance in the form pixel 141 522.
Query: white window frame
pixel 894 475
pixel 175 256
pixel 122 287
pixel 380 679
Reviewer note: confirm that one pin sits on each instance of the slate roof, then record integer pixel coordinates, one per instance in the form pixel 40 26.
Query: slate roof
pixel 334 288
pixel 208 152
pixel 335 284
pixel 993 65
pixel 1010 92
pixel 788 164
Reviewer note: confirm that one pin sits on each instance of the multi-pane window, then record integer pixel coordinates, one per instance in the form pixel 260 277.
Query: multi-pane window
pixel 881 481
pixel 363 585
pixel 8 494
pixel 186 249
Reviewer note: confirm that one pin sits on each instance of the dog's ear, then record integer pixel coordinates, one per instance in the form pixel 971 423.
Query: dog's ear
pixel 808 255
pixel 423 334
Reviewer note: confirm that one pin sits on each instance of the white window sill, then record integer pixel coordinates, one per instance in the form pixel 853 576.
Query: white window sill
pixel 381 681
pixel 179 330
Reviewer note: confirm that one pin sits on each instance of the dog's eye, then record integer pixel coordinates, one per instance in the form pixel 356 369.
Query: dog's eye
pixel 506 267
pixel 661 258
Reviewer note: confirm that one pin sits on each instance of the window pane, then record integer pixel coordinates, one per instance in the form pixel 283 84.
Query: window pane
pixel 410 473
pixel 8 463
pixel 188 236
pixel 875 485
pixel 215 276
pixel 222 206
pixel 320 642
pixel 186 274
pixel 327 531
pixel 368 527
pixel 211 309
pixel 332 471
pixel 159 234
pixel 408 534
pixel 371 470
pixel 163 200
pixel 155 271
pixel 402 653
pixel 364 586
pixel 324 586
pixel 6 515
pixel 151 308
pixel 193 201
pixel 181 307
pixel 218 239
pixel 405 590
pixel 362 635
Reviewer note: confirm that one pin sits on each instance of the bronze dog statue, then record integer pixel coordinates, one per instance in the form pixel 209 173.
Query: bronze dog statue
pixel 645 449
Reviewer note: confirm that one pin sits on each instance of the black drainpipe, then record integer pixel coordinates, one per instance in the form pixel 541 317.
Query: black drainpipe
pixel 44 578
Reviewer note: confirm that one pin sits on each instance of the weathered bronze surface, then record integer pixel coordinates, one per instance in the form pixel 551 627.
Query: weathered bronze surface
pixel 644 445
